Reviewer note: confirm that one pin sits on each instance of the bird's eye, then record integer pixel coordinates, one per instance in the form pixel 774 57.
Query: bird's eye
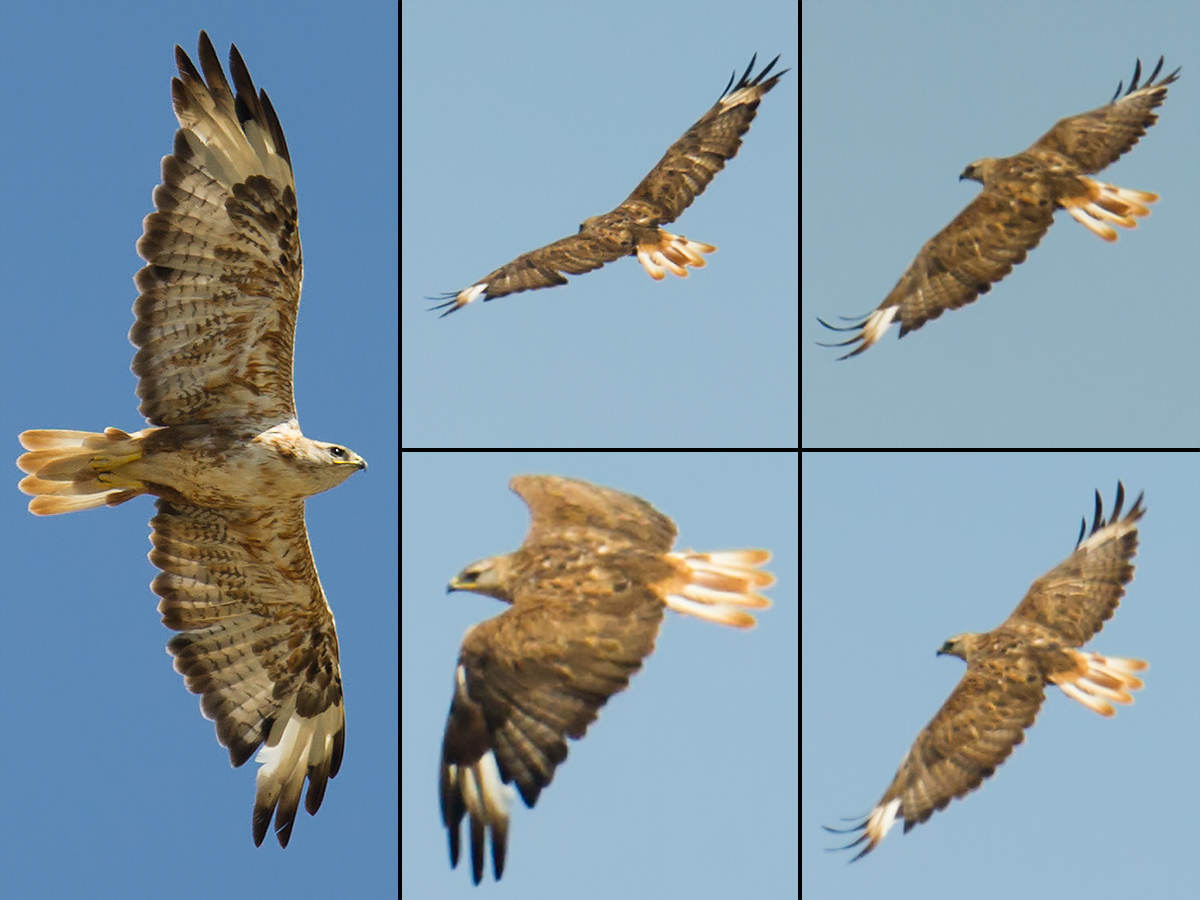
pixel 337 452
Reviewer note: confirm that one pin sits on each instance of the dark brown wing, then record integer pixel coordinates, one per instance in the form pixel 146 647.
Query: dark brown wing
pixel 1097 138
pixel 526 681
pixel 560 507
pixel 694 160
pixel 539 268
pixel 216 318
pixel 1079 595
pixel 981 246
pixel 975 730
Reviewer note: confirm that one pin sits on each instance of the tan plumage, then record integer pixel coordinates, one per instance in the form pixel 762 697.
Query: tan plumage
pixel 1008 669
pixel 587 590
pixel 226 457
pixel 632 229
pixel 1016 207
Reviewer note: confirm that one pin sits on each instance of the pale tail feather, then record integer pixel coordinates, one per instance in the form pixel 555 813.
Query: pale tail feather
pixel 672 253
pixel 1110 203
pixel 65 469
pixel 1100 679
pixel 721 585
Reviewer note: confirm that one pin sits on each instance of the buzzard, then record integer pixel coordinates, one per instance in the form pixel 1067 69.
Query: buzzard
pixel 632 229
pixel 1008 669
pixel 587 592
pixel 1016 207
pixel 215 327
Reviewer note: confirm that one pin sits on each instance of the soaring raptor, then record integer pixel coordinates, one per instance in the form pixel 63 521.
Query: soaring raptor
pixel 225 456
pixel 1008 670
pixel 1016 207
pixel 587 592
pixel 632 229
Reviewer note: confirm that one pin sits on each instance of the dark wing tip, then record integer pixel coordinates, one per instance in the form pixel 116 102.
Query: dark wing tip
pixel 1137 74
pixel 1098 519
pixel 450 299
pixel 1118 503
pixel 741 81
pixel 862 837
pixel 746 81
pixel 856 322
pixel 1154 74
pixel 856 325
pixel 861 826
pixel 1172 77
pixel 771 65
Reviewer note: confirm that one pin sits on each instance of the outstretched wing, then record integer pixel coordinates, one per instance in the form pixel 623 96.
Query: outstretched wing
pixel 539 268
pixel 216 317
pixel 257 642
pixel 526 681
pixel 994 233
pixel 1079 595
pixel 695 159
pixel 1097 138
pixel 679 177
pixel 975 730
pixel 558 505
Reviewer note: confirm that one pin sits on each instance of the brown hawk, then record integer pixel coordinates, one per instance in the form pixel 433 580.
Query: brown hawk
pixel 587 591
pixel 1016 208
pixel 215 331
pixel 1008 669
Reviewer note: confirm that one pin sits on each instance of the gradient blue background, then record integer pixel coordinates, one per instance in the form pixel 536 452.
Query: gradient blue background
pixel 114 784
pixel 901 551
pixel 685 786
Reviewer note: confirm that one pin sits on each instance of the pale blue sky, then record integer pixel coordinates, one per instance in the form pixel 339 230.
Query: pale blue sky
pixel 114 783
pixel 522 119
pixel 898 98
pixel 685 786
pixel 901 551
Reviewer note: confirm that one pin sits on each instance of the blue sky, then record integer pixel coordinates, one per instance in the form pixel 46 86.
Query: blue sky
pixel 521 120
pixel 903 551
pixel 105 752
pixel 684 786
pixel 898 98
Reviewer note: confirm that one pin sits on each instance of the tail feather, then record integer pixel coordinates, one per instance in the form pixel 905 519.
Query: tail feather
pixel 671 253
pixel 718 587
pixel 1099 679
pixel 67 471
pixel 1109 203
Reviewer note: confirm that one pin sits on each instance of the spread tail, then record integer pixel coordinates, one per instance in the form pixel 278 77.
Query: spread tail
pixel 69 470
